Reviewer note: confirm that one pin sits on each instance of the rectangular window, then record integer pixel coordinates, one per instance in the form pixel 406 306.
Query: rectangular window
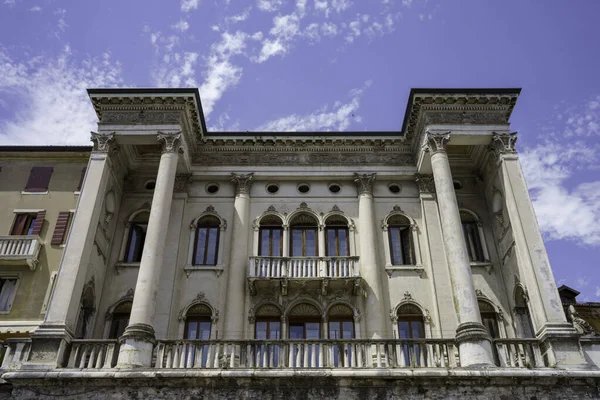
pixel 81 179
pixel 304 242
pixel 28 223
pixel 270 242
pixel 337 242
pixel 400 246
pixel 39 179
pixel 8 288
pixel 474 248
pixel 61 229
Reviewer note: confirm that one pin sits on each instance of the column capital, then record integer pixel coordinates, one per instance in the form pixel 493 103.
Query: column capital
pixel 436 142
pixel 364 183
pixel 425 183
pixel 171 142
pixel 103 142
pixel 243 182
pixel 503 143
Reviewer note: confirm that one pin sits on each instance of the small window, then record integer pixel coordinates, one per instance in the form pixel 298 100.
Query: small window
pixel 303 188
pixel 198 323
pixel 395 188
pixel 457 185
pixel 400 239
pixel 472 237
pixel 272 188
pixel 120 319
pixel 150 185
pixel 212 188
pixel 137 237
pixel 488 318
pixel 39 179
pixel 61 230
pixel 334 188
pixel 28 223
pixel 207 241
pixel 411 326
pixel 8 288
pixel 270 237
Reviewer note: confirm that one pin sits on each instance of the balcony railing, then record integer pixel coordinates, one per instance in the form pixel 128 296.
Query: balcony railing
pixel 519 353
pixel 20 250
pixel 303 267
pixel 282 354
pixel 93 354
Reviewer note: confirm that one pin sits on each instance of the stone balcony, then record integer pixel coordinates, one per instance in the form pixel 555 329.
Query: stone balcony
pixel 20 250
pixel 324 274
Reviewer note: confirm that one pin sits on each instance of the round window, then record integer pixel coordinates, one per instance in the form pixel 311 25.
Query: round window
pixel 334 188
pixel 212 188
pixel 303 188
pixel 395 188
pixel 272 188
pixel 457 185
pixel 150 185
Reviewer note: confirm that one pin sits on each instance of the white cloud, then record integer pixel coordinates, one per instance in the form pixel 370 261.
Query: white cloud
pixel 35 8
pixel 285 27
pixel 53 106
pixel 269 5
pixel 565 208
pixel 311 32
pixel 329 29
pixel 338 118
pixel 340 5
pixel 189 5
pixel 61 24
pixel 598 291
pixel 181 26
pixel 234 19
pixel 269 49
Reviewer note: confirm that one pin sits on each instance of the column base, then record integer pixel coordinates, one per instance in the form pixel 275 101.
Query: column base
pixel 474 345
pixel 561 347
pixel 49 345
pixel 137 345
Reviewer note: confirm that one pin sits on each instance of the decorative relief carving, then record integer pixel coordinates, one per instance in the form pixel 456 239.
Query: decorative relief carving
pixel 335 208
pixel 334 157
pixel 182 183
pixel 103 142
pixel 407 295
pixel 425 183
pixel 242 182
pixel 171 142
pixel 364 182
pixel 397 208
pixel 140 117
pixel 471 117
pixel 436 142
pixel 271 208
pixel 503 143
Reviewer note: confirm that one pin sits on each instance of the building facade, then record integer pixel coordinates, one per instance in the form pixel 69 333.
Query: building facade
pixel 350 255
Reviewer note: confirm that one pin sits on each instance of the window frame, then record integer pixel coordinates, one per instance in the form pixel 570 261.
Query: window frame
pixel 413 237
pixel 199 227
pixel 30 222
pixel 29 189
pixel 271 229
pixel 126 241
pixel 303 229
pixel 337 228
pixel 482 256
pixel 13 295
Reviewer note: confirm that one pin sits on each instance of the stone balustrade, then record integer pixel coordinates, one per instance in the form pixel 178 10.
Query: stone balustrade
pixel 303 267
pixel 20 249
pixel 519 353
pixel 14 353
pixel 93 354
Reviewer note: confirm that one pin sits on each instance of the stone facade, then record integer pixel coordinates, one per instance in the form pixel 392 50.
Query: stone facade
pixel 411 255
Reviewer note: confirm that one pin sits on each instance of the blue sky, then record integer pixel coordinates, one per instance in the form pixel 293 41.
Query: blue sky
pixel 329 65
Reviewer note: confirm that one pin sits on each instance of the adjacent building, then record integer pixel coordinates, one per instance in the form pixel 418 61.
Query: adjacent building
pixel 282 263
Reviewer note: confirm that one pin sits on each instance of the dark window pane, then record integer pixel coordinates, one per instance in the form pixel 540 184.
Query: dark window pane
pixel 334 330
pixel 265 242
pixel 211 253
pixel 296 243
pixel 417 329
pixel 276 250
pixel 331 243
pixel 204 330
pixel 395 246
pixel 312 330
pixel 406 248
pixel 135 246
pixel 39 178
pixel 192 330
pixel 200 246
pixel 261 330
pixel 348 329
pixel 274 330
pixel 311 243
pixel 343 242
pixel 296 331
pixel 404 329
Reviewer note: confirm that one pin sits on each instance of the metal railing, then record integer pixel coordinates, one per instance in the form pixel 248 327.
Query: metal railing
pixel 303 267
pixel 260 354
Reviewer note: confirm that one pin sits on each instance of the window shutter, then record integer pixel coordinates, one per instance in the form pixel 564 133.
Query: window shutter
pixel 81 179
pixel 39 178
pixel 39 221
pixel 60 229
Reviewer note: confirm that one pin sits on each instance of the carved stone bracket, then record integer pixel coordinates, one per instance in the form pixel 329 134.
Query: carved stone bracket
pixel 364 183
pixel 425 183
pixel 242 182
pixel 171 142
pixel 503 143
pixel 103 142
pixel 436 142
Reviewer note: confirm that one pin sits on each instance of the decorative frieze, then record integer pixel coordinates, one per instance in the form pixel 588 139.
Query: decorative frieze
pixel 242 182
pixel 364 183
pixel 277 158
pixel 140 118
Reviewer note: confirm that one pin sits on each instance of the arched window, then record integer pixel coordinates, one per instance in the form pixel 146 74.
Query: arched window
pixel 411 325
pixel 400 238
pixel 304 322
pixel 267 327
pixel 473 237
pixel 198 319
pixel 120 319
pixel 336 236
pixel 303 238
pixel 270 237
pixel 206 246
pixel 341 326
pixel 523 317
pixel 138 226
pixel 488 318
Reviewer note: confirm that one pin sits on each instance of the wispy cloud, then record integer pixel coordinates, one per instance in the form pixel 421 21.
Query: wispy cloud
pixel 35 9
pixel 339 117
pixel 181 25
pixel 52 106
pixel 189 5
pixel 566 210
pixel 269 5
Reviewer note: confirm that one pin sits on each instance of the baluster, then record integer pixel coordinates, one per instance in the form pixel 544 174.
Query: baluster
pixel 352 350
pixel 209 349
pixel 84 349
pixel 422 354
pixel 291 355
pixel 72 357
pixel 234 353
pixel 160 353
pixel 313 354
pixel 198 355
pixel 99 356
pixel 322 350
pixel 169 349
pixel 537 356
pixel 378 355
pixel 304 359
pixel 527 354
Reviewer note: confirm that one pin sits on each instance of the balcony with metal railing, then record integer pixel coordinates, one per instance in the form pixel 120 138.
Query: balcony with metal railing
pixel 266 274
pixel 20 250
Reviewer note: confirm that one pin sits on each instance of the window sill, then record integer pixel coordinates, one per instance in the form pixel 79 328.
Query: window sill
pixel 217 269
pixel 123 265
pixel 418 268
pixel 485 264
pixel 24 192
pixel 77 192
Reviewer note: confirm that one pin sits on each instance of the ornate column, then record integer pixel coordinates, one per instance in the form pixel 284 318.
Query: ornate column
pixel 369 267
pixel 139 337
pixel 57 330
pixel 472 337
pixel 550 322
pixel 236 275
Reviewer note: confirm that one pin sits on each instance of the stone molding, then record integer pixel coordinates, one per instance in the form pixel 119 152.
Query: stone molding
pixel 143 332
pixel 436 142
pixel 103 142
pixel 364 183
pixel 171 142
pixel 242 182
pixel 471 331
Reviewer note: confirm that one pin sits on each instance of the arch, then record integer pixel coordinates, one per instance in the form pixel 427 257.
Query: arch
pixel 119 318
pixel 490 317
pixel 137 213
pixel 303 300
pixel 303 209
pixel 355 313
pixel 408 304
pixel 304 218
pixel 339 216
pixel 87 310
pixel 198 306
pixel 304 309
pixel 306 234
pixel 474 236
pixel 401 240
pixel 201 313
pixel 209 212
pixel 134 235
